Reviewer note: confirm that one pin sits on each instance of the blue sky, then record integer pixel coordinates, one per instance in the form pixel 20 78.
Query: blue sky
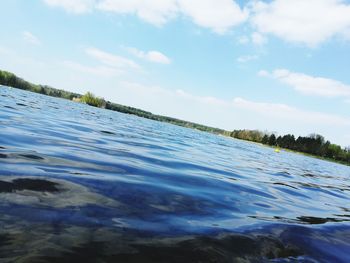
pixel 280 65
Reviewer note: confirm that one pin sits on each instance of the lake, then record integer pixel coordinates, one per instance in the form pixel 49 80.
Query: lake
pixel 83 184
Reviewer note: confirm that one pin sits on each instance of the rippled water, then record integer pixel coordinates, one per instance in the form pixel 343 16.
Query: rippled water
pixel 81 184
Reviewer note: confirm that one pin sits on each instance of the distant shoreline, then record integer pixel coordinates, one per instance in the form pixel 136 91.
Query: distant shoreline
pixel 11 80
pixel 293 151
pixel 313 145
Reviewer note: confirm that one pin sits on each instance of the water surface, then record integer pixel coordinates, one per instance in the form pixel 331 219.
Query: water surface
pixel 82 184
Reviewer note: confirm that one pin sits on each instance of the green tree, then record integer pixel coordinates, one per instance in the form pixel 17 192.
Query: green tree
pixel 265 139
pixel 272 140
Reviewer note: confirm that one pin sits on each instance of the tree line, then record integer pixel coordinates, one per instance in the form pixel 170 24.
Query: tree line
pixel 313 144
pixel 11 80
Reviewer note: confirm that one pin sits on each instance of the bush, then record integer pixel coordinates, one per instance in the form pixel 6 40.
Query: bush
pixel 92 100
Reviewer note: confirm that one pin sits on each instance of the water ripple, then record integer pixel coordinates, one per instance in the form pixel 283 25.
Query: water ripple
pixel 132 177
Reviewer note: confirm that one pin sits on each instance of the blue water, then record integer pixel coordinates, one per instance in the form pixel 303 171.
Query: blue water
pixel 136 190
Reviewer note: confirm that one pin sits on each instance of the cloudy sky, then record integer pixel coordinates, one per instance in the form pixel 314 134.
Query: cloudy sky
pixel 277 65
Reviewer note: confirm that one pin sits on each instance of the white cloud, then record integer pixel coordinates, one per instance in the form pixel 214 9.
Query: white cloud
pixel 285 112
pixel 309 85
pixel 152 11
pixel 258 39
pixel 309 22
pixel 30 38
pixel 179 94
pixel 255 38
pixel 247 58
pixel 243 40
pixel 263 73
pixel 111 60
pixel 73 6
pixel 208 100
pixel 109 65
pixel 217 15
pixel 97 70
pixel 152 56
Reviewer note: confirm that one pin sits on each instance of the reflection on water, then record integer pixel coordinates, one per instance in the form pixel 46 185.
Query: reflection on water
pixel 81 184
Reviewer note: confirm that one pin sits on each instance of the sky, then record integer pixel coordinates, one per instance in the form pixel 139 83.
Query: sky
pixel 280 65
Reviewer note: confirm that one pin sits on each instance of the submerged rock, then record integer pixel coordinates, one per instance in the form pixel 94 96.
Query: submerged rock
pixel 49 192
pixel 24 242
pixel 37 185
